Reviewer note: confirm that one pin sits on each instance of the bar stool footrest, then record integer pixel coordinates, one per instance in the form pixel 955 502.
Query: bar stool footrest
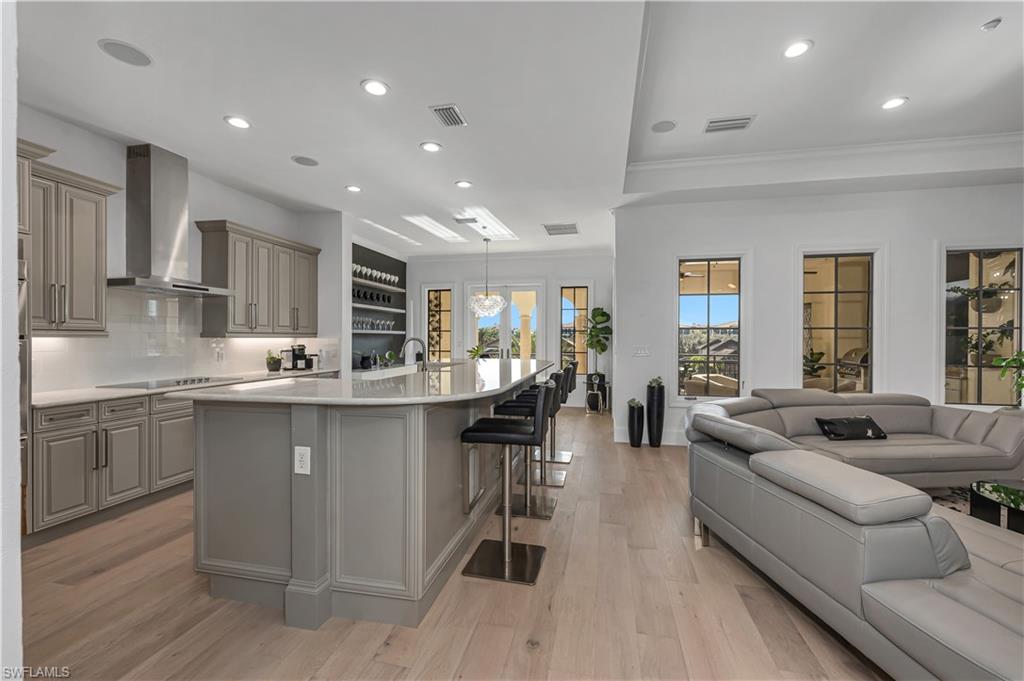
pixel 555 477
pixel 543 507
pixel 488 562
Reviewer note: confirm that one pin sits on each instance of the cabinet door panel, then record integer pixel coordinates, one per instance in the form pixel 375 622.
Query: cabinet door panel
pixel 43 267
pixel 306 293
pixel 172 449
pixel 124 461
pixel 284 289
pixel 64 472
pixel 240 283
pixel 262 285
pixel 82 221
pixel 24 184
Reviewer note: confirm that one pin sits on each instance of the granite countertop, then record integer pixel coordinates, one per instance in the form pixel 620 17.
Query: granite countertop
pixel 454 382
pixel 56 398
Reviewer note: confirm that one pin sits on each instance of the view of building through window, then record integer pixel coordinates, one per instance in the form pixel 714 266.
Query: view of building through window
pixel 982 320
pixel 439 325
pixel 837 340
pixel 709 327
pixel 573 341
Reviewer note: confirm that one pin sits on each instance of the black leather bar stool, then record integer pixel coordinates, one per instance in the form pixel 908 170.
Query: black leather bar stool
pixel 554 455
pixel 505 560
pixel 522 405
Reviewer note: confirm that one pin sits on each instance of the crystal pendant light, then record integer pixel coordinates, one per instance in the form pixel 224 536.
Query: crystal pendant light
pixel 486 304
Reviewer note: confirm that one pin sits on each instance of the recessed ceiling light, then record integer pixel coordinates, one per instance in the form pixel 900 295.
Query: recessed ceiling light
pixel 430 146
pixel 388 230
pixel 425 222
pixel 664 126
pixel 377 88
pixel 992 24
pixel 463 184
pixel 305 161
pixel 354 188
pixel 895 102
pixel 123 52
pixel 797 49
pixel 237 122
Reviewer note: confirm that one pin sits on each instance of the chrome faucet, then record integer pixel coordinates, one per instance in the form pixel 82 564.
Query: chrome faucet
pixel 423 351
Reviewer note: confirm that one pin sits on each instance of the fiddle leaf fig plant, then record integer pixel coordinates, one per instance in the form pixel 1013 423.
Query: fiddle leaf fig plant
pixel 1014 364
pixel 599 331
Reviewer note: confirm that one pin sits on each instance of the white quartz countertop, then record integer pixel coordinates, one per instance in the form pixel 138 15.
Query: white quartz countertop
pixel 57 398
pixel 454 382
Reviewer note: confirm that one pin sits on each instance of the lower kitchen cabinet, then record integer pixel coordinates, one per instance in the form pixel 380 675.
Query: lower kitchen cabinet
pixel 124 461
pixel 64 465
pixel 172 448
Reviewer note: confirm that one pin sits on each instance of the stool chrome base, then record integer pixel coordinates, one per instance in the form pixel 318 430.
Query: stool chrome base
pixel 562 456
pixel 553 478
pixel 488 562
pixel 543 507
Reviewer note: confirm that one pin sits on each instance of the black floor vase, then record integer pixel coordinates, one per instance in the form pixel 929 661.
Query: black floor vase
pixel 655 414
pixel 636 425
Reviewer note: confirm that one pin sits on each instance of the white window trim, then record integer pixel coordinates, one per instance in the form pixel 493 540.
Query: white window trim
pixel 421 316
pixel 469 335
pixel 746 257
pixel 879 306
pixel 939 359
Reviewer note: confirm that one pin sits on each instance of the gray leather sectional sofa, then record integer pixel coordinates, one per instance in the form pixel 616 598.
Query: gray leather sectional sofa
pixel 923 591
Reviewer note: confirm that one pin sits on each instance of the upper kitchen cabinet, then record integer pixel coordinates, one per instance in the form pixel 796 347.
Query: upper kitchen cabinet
pixel 68 225
pixel 27 153
pixel 272 282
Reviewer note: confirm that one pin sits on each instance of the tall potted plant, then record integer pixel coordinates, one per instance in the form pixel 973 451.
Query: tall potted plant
pixel 635 422
pixel 1014 364
pixel 599 335
pixel 655 410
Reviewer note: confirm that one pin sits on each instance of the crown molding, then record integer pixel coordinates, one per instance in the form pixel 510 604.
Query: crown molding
pixel 32 150
pixel 945 155
pixel 522 255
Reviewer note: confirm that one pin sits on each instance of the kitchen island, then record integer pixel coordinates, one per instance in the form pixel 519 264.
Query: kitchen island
pixel 345 497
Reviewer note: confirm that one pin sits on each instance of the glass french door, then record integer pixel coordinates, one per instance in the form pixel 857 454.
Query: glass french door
pixel 514 332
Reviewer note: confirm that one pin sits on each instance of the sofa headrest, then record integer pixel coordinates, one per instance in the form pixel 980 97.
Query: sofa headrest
pixel 797 397
pixel 889 399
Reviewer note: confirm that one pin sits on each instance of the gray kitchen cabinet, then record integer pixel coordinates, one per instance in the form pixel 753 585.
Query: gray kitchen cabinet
pixel 305 294
pixel 68 223
pixel 284 289
pixel 24 182
pixel 273 282
pixel 64 471
pixel 172 448
pixel 124 460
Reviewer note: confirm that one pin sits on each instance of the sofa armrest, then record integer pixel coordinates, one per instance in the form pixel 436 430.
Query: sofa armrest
pixel 744 436
pixel 860 496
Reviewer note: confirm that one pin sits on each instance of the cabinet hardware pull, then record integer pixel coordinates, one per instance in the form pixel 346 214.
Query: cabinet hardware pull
pixel 95 450
pixel 106 446
pixel 117 410
pixel 67 416
pixel 53 303
pixel 63 303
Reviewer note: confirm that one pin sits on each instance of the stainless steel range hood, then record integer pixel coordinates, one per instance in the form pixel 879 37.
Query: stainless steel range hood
pixel 157 225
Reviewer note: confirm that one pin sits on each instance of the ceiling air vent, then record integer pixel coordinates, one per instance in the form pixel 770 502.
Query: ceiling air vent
pixel 561 230
pixel 449 115
pixel 733 123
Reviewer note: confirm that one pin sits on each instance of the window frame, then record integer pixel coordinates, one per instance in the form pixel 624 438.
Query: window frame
pixel 945 249
pixel 451 315
pixel 746 275
pixel 836 328
pixel 589 353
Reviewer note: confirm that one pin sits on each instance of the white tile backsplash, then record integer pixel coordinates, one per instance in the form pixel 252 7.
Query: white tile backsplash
pixel 152 336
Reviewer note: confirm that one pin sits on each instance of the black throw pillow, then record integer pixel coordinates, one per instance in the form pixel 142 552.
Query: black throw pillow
pixel 851 428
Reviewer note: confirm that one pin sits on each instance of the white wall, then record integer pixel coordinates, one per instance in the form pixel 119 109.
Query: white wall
pixel 157 336
pixel 551 270
pixel 907 230
pixel 10 460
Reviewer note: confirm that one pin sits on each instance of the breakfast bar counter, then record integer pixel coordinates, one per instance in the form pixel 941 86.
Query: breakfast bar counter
pixel 345 497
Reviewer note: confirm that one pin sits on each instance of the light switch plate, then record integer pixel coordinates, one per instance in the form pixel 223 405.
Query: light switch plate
pixel 641 350
pixel 302 455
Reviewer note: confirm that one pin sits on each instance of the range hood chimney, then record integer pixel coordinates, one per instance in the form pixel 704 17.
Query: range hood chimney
pixel 157 225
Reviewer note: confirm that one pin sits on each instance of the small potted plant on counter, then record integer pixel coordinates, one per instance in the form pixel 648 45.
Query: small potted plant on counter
pixel 655 410
pixel 636 422
pixel 273 361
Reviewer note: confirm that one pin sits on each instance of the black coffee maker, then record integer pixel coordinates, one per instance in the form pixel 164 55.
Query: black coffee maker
pixel 298 360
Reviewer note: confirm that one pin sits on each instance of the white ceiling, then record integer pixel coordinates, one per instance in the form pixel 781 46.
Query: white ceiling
pixel 547 90
pixel 718 59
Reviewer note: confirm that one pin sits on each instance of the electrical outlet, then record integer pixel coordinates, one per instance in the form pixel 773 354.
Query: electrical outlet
pixel 302 460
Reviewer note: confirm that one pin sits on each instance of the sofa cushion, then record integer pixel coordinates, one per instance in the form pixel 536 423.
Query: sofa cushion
pixel 950 639
pixel 986 542
pixel 749 438
pixel 910 453
pixel 859 496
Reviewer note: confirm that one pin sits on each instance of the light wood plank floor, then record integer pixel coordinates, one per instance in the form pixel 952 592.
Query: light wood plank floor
pixel 626 592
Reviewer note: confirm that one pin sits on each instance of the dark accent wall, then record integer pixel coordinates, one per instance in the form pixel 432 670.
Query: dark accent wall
pixel 367 343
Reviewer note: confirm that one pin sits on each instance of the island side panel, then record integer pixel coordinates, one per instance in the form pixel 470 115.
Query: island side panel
pixel 243 499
